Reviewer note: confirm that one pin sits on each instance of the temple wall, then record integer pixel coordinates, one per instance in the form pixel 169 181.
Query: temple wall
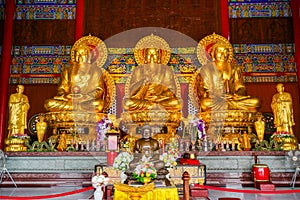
pixel 261 33
pixel 222 168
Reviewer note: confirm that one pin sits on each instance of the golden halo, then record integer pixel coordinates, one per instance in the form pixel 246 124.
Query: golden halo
pixel 152 41
pixel 111 90
pixel 97 48
pixel 193 89
pixel 205 45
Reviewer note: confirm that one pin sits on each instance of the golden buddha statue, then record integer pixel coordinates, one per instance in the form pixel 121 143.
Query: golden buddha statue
pixel 83 86
pixel 152 92
pixel 282 107
pixel 218 88
pixel 220 83
pixel 152 85
pixel 86 90
pixel 18 105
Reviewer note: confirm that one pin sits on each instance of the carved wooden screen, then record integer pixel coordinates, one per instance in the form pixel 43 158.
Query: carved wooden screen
pixel 195 18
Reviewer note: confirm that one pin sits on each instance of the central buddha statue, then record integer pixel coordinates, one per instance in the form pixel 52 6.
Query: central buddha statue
pixel 218 85
pixel 152 92
pixel 152 85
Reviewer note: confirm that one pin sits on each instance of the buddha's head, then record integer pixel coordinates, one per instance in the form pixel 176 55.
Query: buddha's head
pixel 20 89
pixel 82 54
pixel 152 55
pixel 280 87
pixel 146 131
pixel 220 52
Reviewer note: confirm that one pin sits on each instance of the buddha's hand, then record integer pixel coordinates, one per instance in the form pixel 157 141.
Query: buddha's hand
pixel 61 97
pixel 240 97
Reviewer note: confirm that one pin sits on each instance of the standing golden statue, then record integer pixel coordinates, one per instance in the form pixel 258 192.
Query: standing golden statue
pixel 18 108
pixel 84 85
pixel 282 106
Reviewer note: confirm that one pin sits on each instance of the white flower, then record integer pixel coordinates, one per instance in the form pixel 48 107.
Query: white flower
pixel 122 160
pixel 99 181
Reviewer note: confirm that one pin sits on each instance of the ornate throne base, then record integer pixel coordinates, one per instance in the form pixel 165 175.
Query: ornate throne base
pixel 158 119
pixel 228 119
pixel 82 122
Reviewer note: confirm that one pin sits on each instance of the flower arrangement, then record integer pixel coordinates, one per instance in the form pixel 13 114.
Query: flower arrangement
pixel 104 125
pixel 282 134
pixel 143 171
pixel 197 128
pixel 287 140
pixel 122 160
pixel 99 181
pixel 172 155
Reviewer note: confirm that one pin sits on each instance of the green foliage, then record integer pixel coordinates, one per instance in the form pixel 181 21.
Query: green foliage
pixel 268 146
pixel 39 147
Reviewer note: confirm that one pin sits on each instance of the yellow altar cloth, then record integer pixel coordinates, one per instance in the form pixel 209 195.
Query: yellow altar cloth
pixel 163 193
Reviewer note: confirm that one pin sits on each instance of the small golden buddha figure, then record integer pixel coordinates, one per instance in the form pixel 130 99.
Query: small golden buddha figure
pixel 282 107
pixel 62 144
pixel 146 147
pixel 18 106
pixel 246 141
pixel 85 85
pixel 41 127
pixel 220 83
pixel 259 126
pixel 152 85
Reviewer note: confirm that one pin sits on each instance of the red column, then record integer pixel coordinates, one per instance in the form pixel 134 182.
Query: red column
pixel 5 66
pixel 79 19
pixel 295 6
pixel 225 19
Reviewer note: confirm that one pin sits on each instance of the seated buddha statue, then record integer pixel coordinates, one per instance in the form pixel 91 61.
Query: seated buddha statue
pixel 146 147
pixel 84 85
pixel 152 91
pixel 220 83
pixel 152 85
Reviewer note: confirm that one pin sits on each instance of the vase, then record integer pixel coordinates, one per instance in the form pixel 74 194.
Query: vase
pixel 123 176
pixel 168 175
pixel 111 157
pixel 98 194
pixel 147 180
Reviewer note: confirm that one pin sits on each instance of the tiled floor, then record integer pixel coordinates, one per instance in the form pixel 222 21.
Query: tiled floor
pixel 213 195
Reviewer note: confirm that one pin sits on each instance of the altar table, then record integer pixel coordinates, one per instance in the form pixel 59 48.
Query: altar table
pixel 163 193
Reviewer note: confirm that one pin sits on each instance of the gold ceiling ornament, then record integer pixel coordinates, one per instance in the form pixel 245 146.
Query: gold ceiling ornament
pixel 205 46
pixel 152 41
pixel 96 46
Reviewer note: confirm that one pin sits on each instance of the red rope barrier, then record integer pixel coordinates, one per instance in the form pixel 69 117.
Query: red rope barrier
pixel 48 196
pixel 250 191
